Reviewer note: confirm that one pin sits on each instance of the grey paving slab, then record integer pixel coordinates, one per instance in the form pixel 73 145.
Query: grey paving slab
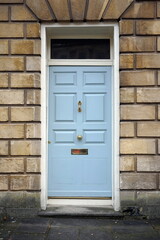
pixel 142 236
pixel 63 233
pixel 95 234
pixel 35 225
pixel 23 236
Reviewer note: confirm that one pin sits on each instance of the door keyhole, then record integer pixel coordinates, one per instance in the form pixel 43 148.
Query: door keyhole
pixel 79 106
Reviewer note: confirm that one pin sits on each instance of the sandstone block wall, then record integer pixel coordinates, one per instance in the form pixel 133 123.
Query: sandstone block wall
pixel 20 49
pixel 140 99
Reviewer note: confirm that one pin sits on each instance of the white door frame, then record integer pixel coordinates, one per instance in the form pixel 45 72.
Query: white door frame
pixel 115 104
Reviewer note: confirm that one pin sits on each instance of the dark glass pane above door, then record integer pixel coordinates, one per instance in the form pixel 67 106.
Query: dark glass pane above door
pixel 80 48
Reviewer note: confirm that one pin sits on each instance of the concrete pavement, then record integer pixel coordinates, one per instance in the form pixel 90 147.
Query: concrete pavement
pixel 39 228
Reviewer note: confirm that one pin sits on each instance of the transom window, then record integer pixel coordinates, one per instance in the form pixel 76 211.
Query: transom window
pixel 80 48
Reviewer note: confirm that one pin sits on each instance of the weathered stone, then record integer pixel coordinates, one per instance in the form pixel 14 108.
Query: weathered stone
pixel 37 9
pixel 127 198
pixel 148 60
pixel 25 47
pixel 11 165
pixel 148 27
pixel 3 13
pixel 148 198
pixel 11 1
pixel 159 146
pixel 21 13
pixel 33 130
pixel 127 95
pixel 137 78
pixel 148 95
pixel 33 30
pixel 33 97
pixel 3 46
pixel 19 199
pixel 138 181
pixel 3 182
pixel 116 8
pixel 126 27
pixel 25 182
pixel 3 147
pixel 127 129
pixel 137 146
pixel 11 97
pixel 33 165
pixel 23 148
pixel 148 163
pixel 158 9
pixel 11 131
pixel 140 10
pixel 25 80
pixel 137 44
pixel 11 63
pixel 148 129
pixel 25 114
pixel 11 30
pixel 33 63
pixel 159 112
pixel 137 112
pixel 127 163
pixel 3 114
pixel 126 61
pixel 3 80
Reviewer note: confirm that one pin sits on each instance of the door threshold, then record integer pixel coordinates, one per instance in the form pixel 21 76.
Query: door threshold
pixel 79 202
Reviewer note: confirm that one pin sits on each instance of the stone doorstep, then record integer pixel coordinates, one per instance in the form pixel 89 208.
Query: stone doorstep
pixel 79 211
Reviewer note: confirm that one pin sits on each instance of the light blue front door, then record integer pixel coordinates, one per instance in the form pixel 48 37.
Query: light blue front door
pixel 80 132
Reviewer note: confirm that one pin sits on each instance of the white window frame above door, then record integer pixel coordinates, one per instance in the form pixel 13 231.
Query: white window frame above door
pixel 99 30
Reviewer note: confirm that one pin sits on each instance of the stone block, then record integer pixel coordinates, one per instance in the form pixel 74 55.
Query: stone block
pixel 137 78
pixel 33 165
pixel 137 44
pixel 159 78
pixel 25 80
pixel 21 13
pixel 11 30
pixel 126 27
pixel 137 112
pixel 158 9
pixel 25 114
pixel 148 198
pixel 148 95
pixel 3 114
pixel 33 130
pixel 11 1
pixel 11 165
pixel 3 46
pixel 159 112
pixel 127 198
pixel 148 27
pixel 19 199
pixel 127 95
pixel 148 163
pixel 140 10
pixel 127 129
pixel 25 182
pixel 138 181
pixel 126 61
pixel 33 63
pixel 4 13
pixel 11 131
pixel 148 60
pixel 127 163
pixel 137 146
pixel 159 146
pixel 11 97
pixel 11 63
pixel 148 129
pixel 3 80
pixel 24 148
pixel 33 97
pixel 25 47
pixel 33 30
pixel 3 182
pixel 3 147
